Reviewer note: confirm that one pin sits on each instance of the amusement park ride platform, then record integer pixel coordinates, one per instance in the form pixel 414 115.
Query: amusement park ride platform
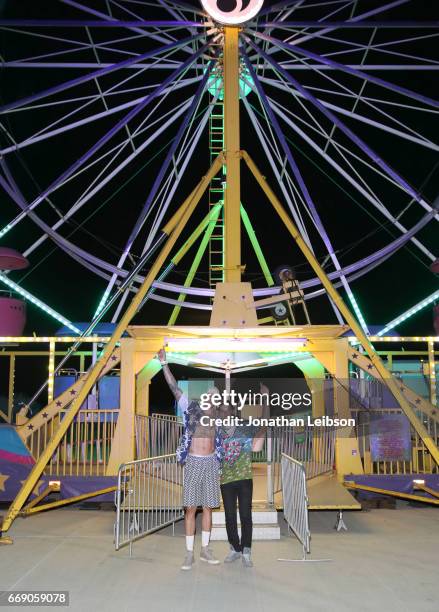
pixel 234 322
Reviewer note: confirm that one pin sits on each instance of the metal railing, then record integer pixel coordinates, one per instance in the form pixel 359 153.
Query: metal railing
pixel 314 447
pixel 296 500
pixel 157 435
pixel 149 496
pixel 84 449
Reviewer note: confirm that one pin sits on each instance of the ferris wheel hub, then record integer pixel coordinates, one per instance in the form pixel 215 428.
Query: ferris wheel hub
pixel 232 12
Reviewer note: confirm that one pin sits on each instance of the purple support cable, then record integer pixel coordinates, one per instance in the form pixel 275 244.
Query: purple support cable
pixel 169 156
pixel 344 68
pixel 93 23
pixel 97 73
pixel 135 111
pixel 356 139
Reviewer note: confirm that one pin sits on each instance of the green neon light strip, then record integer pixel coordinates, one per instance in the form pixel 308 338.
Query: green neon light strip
pixel 257 247
pixel 197 259
pixel 409 313
pixel 31 298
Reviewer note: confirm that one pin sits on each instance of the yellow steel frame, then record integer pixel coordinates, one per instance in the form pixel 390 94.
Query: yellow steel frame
pixel 177 223
pixel 409 496
pixel 349 317
pixel 232 199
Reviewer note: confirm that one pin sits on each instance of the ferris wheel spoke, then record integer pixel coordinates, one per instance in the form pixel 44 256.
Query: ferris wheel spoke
pixel 109 18
pixel 169 157
pixel 282 176
pixel 93 75
pixel 158 36
pixel 297 174
pixel 282 113
pixel 365 190
pixel 342 67
pixel 104 139
pixel 403 184
pixel 409 134
pixel 99 183
pixel 171 184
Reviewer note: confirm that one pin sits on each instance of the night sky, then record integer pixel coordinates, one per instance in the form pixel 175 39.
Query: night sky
pixel 103 225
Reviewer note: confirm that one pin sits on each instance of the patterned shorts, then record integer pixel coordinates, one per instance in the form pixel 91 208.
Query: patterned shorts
pixel 201 482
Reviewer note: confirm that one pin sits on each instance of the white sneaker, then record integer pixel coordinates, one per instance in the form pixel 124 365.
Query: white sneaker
pixel 207 556
pixel 233 555
pixel 246 557
pixel 188 560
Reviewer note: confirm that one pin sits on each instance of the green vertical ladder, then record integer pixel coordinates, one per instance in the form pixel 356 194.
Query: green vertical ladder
pixel 216 195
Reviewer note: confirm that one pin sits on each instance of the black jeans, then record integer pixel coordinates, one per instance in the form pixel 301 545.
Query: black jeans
pixel 240 491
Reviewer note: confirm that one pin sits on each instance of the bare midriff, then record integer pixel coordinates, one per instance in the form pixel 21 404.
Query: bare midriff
pixel 203 441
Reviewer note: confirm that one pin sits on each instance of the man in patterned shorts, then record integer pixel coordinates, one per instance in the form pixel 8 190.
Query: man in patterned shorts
pixel 201 452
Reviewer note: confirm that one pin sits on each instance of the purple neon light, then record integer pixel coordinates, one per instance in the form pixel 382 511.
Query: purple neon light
pixel 93 23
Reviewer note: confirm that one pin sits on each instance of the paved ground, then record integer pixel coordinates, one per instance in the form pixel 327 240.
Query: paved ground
pixel 387 561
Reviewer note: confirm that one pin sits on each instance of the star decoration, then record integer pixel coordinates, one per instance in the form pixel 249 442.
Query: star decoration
pixel 73 392
pixel 58 403
pixel 370 366
pixel 30 427
pixel 3 479
pixel 36 490
pixel 113 358
pixel 417 401
pixel 45 415
pixel 354 355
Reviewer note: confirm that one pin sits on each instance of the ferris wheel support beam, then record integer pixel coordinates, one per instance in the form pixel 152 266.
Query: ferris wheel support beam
pixel 71 126
pixel 343 111
pixel 342 67
pixel 87 196
pixel 357 18
pixel 232 195
pixel 376 203
pixel 186 156
pixel 309 201
pixel 96 369
pixel 96 74
pixel 104 139
pixel 279 176
pixel 159 178
pixel 347 131
pixel 390 382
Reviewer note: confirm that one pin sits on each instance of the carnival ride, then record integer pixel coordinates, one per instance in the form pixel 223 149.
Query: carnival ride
pixel 226 63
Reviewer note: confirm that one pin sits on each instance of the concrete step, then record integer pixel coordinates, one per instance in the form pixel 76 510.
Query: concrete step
pixel 260 532
pixel 265 524
pixel 260 517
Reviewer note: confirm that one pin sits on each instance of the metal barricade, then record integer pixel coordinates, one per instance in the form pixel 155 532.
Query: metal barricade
pixel 157 435
pixel 314 447
pixel 149 496
pixel 296 500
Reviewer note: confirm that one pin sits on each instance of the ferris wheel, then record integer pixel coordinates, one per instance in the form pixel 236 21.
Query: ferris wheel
pixel 109 89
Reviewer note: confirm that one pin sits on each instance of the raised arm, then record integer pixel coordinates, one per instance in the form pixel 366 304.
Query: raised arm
pixel 169 377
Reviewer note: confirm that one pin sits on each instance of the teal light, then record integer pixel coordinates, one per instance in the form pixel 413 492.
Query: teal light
pixel 215 84
pixel 34 300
